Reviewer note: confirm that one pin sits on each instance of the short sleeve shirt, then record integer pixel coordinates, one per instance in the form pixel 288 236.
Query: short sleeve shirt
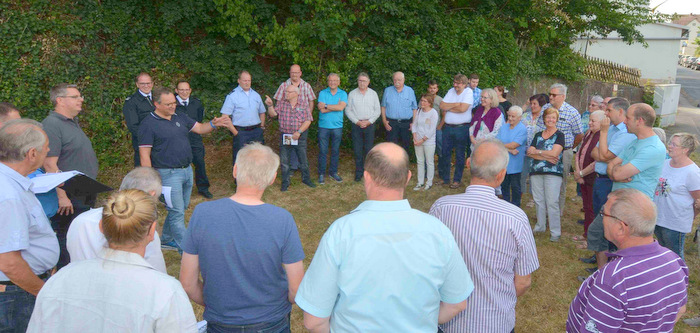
pixel 244 108
pixel 68 142
pixel 331 119
pixel 569 122
pixel 241 251
pixel 673 199
pixel 291 117
pixel 618 140
pixel 648 156
pixel 518 134
pixel 467 96
pixel 544 167
pixel 168 139
pixel 399 105
pixel 306 93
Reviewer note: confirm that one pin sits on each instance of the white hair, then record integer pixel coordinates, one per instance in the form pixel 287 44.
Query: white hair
pixel 598 114
pixel 493 161
pixel 18 137
pixel 143 178
pixel 256 165
pixel 518 110
pixel 560 87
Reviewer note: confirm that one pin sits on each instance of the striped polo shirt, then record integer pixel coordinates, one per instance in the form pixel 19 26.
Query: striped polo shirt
pixel 640 290
pixel 496 242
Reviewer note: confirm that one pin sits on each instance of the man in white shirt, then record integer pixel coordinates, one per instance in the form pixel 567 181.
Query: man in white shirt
pixel 85 240
pixel 456 118
pixel 362 110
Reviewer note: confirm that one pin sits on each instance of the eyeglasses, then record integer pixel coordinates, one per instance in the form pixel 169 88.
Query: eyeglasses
pixel 602 214
pixel 72 96
pixel 555 95
pixel 183 89
pixel 144 83
pixel 170 104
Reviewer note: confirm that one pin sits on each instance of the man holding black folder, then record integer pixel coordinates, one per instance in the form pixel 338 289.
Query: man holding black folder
pixel 70 149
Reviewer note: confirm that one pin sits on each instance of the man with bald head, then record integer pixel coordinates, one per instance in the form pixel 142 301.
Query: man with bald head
pixel 495 240
pixel 398 109
pixel 28 246
pixel 384 265
pixel 644 286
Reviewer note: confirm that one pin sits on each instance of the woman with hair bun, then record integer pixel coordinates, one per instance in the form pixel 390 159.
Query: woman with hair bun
pixel 117 291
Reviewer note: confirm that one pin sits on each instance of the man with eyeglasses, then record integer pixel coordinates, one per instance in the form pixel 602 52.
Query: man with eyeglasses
pixel 569 123
pixel 363 110
pixel 165 146
pixel 192 107
pixel 136 107
pixel 644 286
pixel 70 150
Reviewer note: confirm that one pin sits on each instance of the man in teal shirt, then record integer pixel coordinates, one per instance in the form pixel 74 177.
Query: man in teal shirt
pixel 639 165
pixel 384 266
pixel 331 103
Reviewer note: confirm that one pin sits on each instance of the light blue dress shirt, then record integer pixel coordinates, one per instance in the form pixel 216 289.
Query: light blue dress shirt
pixel 332 119
pixel 399 105
pixel 244 109
pixel 384 266
pixel 618 139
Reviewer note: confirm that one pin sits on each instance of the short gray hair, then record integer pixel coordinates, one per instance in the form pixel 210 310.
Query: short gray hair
pixel 143 178
pixel 619 103
pixel 18 137
pixel 363 74
pixel 256 165
pixel 333 74
pixel 597 98
pixel 59 90
pixel 661 133
pixel 599 114
pixel 637 210
pixel 560 87
pixel 398 73
pixel 518 110
pixel 489 158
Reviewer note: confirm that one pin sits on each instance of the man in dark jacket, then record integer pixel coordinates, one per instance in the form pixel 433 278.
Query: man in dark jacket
pixel 136 107
pixel 193 107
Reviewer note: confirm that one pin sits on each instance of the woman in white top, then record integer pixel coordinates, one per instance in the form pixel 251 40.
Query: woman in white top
pixel 118 291
pixel 424 127
pixel 677 190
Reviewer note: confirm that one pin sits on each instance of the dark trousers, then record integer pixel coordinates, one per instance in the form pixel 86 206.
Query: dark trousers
pixel 511 188
pixel 244 137
pixel 456 138
pixel 61 223
pixel 135 145
pixel 300 150
pixel 400 133
pixel 200 170
pixel 588 214
pixel 362 142
pixel 277 326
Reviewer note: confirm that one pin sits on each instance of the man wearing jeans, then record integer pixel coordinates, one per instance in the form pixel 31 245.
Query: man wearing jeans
pixel 331 103
pixel 165 146
pixel 295 119
pixel 398 109
pixel 457 105
pixel 363 110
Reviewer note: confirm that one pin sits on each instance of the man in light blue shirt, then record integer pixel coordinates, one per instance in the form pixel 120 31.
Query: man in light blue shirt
pixel 398 109
pixel 247 112
pixel 28 245
pixel 331 103
pixel 385 266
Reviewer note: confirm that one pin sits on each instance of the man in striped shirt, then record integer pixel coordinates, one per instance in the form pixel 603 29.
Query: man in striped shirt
pixel 496 243
pixel 643 287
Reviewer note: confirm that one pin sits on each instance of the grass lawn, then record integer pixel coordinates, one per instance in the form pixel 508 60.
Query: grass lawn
pixel 542 309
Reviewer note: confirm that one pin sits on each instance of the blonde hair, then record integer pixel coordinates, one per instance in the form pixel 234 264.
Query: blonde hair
pixel 491 94
pixel 127 216
pixel 687 140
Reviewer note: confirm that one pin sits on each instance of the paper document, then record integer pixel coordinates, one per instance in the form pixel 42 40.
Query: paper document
pixel 202 326
pixel 287 140
pixel 48 181
pixel 167 196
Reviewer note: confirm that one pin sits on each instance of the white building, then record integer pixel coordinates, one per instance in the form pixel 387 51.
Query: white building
pixel 657 62
pixel 692 23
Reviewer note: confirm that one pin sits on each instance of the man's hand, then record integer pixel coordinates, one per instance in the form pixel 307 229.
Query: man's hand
pixel 387 126
pixel 513 151
pixel 296 135
pixel 223 121
pixel 363 123
pixel 605 124
pixel 417 142
pixel 268 100
pixel 65 206
pixel 442 123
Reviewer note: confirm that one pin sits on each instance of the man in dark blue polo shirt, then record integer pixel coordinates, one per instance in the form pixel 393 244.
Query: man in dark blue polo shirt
pixel 165 146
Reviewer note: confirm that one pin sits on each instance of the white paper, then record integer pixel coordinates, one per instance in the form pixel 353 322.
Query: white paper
pixel 166 195
pixel 202 326
pixel 287 140
pixel 48 181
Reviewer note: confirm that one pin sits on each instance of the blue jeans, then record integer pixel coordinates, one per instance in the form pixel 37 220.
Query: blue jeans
pixel 456 138
pixel 671 239
pixel 511 189
pixel 16 306
pixel 601 188
pixel 324 136
pixel 300 150
pixel 277 326
pixel 180 183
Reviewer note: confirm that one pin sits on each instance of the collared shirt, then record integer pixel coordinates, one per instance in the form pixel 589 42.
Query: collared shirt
pixel 382 266
pixel 149 95
pixel 569 122
pixel 244 109
pixel 585 117
pixel 182 101
pixel 331 119
pixel 465 97
pixel 495 238
pixel 306 93
pixel 477 96
pixel 168 140
pixel 116 292
pixel 85 240
pixel 136 107
pixel 399 105
pixel 648 156
pixel 363 106
pixel 618 140
pixel 25 227
pixel 291 117
pixel 68 142
pixel 640 290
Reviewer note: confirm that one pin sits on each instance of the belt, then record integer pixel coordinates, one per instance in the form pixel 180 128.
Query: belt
pixel 600 175
pixel 456 125
pixel 400 120
pixel 246 128
pixel 42 276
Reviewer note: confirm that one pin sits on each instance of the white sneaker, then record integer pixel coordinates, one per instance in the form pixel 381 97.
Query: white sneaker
pixel 418 187
pixel 428 186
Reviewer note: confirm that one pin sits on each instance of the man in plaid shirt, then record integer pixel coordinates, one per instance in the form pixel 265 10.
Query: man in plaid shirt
pixel 294 117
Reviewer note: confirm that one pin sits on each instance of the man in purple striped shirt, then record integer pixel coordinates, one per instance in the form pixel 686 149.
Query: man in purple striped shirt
pixel 495 240
pixel 643 287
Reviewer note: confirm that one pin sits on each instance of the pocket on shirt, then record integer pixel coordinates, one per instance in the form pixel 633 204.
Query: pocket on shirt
pixel 39 221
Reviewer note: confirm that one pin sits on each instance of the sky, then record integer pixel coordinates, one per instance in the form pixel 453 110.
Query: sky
pixel 677 6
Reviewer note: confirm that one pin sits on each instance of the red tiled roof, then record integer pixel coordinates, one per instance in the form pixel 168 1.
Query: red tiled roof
pixel 685 19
